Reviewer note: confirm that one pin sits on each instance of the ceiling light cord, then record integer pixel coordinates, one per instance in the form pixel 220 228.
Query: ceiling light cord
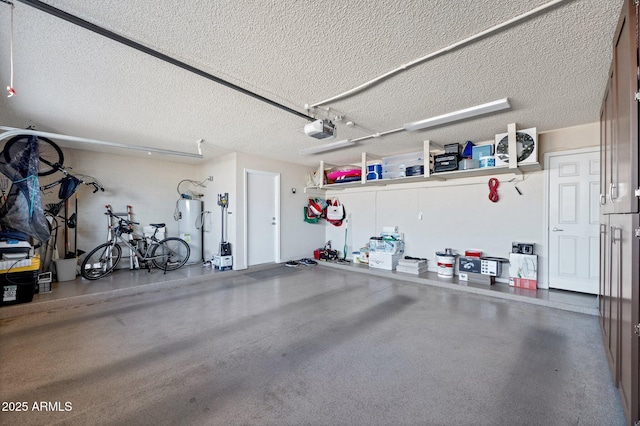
pixel 166 58
pixel 442 51
pixel 10 88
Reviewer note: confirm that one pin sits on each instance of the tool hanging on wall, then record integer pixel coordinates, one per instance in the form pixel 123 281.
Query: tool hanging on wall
pixel 515 185
pixel 4 186
pixel 346 229
pixel 225 246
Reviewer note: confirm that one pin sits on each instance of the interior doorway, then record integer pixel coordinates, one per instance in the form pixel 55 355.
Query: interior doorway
pixel 262 217
pixel 573 220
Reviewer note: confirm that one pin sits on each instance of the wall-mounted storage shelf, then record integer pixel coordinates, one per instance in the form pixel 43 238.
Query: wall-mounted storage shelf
pixel 367 158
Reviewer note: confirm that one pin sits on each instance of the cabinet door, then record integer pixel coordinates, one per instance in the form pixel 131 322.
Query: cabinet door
pixel 625 132
pixel 606 147
pixel 604 278
pixel 626 283
pixel 604 292
pixel 611 299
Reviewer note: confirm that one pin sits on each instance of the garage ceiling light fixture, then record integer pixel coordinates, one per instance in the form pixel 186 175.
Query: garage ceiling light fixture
pixel 327 147
pixel 12 131
pixel 463 114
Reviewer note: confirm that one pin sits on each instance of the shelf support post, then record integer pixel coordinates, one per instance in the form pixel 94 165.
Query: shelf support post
pixel 427 158
pixel 513 146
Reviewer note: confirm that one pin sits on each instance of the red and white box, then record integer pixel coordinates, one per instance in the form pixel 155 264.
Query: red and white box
pixel 477 254
pixel 523 270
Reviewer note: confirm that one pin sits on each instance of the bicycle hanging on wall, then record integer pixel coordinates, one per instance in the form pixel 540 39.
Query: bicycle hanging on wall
pixel 50 161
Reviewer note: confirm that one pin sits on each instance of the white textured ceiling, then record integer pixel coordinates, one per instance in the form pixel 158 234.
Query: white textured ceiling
pixel 552 67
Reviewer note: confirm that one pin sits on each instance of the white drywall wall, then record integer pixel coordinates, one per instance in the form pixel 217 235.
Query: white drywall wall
pixel 458 214
pixel 457 217
pixel 224 181
pixel 148 185
pixel 297 238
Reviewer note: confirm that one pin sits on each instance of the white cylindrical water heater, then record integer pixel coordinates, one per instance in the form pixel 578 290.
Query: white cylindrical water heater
pixel 189 212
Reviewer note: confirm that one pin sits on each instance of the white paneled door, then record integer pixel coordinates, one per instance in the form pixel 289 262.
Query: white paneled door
pixel 262 217
pixel 574 191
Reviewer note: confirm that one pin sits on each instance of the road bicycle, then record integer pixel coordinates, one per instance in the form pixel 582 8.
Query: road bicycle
pixel 51 158
pixel 167 254
pixel 49 154
pixel 50 161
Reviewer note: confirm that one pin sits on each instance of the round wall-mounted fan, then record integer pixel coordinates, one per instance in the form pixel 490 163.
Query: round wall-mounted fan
pixel 526 147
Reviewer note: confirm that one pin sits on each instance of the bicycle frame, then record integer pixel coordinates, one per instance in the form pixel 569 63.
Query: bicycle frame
pixel 149 243
pixel 167 254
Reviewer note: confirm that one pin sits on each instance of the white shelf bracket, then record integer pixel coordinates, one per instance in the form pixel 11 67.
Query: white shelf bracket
pixel 513 146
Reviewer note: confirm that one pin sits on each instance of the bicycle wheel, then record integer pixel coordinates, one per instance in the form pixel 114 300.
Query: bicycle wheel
pixel 49 153
pixel 100 261
pixel 172 253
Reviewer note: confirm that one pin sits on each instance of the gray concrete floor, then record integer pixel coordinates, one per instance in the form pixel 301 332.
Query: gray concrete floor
pixel 304 346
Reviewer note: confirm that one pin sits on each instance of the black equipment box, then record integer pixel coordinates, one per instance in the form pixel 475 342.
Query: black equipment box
pixel 522 248
pixel 414 170
pixel 225 248
pixel 452 148
pixel 470 264
pixel 485 266
pixel 445 162
pixel 18 287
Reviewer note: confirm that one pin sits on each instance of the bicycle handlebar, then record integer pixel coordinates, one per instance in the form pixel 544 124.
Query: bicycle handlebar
pixel 96 186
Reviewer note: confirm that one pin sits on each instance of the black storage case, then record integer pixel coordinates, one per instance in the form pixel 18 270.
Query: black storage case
pixel 18 287
pixel 446 162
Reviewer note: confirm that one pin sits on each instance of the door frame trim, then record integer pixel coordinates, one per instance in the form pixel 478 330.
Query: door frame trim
pixel 547 204
pixel 276 243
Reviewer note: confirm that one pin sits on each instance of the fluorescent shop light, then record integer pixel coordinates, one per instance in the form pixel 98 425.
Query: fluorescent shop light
pixel 462 114
pixel 326 147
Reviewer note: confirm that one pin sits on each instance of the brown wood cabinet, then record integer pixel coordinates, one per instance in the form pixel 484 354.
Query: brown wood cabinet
pixel 619 290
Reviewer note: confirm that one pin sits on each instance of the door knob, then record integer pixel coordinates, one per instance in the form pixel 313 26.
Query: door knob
pixel 557 229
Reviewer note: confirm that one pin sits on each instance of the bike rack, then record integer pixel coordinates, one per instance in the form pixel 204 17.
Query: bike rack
pixel 133 259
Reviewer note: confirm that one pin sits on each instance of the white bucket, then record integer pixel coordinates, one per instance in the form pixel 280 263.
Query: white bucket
pixel 66 269
pixel 446 263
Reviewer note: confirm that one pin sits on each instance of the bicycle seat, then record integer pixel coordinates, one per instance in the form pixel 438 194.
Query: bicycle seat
pixel 157 225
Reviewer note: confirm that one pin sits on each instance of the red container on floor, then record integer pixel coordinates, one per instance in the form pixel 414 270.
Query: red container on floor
pixel 316 254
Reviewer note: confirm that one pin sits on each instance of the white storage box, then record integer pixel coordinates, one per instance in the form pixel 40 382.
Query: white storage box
pixel 393 174
pixel 14 250
pixel 386 261
pixel 222 263
pixel 386 246
pixel 523 270
pixel 399 163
